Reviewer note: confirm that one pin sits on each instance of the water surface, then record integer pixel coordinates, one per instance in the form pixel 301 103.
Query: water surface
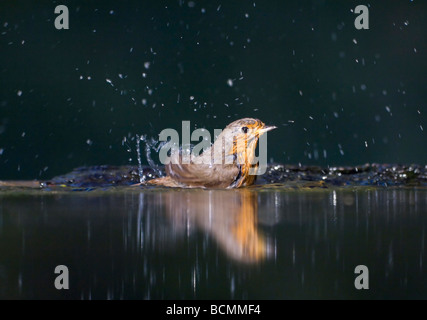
pixel 265 242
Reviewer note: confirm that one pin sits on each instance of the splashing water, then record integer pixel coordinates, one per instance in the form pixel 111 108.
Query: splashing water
pixel 150 144
pixel 138 152
pixel 155 145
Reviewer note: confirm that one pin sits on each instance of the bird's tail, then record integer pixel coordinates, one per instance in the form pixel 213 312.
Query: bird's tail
pixel 163 181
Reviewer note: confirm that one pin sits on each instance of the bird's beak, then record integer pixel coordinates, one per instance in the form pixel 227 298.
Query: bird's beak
pixel 265 129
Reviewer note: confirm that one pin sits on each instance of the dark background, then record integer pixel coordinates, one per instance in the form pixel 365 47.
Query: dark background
pixel 339 96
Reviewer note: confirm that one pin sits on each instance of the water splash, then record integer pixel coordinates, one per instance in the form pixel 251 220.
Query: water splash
pixel 150 144
pixel 138 152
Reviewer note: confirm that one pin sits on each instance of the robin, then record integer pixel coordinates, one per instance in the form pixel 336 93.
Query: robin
pixel 228 163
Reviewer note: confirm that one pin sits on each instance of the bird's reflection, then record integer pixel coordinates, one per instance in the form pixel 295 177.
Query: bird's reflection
pixel 229 216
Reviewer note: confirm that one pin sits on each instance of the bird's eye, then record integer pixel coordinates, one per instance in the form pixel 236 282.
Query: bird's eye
pixel 245 129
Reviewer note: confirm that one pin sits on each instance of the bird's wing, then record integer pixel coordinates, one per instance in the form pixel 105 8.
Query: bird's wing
pixel 203 175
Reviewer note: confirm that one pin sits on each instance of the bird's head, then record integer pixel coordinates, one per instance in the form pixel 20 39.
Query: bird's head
pixel 240 138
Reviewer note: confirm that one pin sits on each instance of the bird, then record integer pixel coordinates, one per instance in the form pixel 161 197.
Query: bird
pixel 228 163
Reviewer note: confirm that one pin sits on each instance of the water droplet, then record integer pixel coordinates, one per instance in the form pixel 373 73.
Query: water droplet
pixel 19 93
pixel 230 82
pixel 147 65
pixel 341 150
pixel 354 41
pixel 89 142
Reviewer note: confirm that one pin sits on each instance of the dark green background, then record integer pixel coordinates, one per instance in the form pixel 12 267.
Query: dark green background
pixel 289 60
